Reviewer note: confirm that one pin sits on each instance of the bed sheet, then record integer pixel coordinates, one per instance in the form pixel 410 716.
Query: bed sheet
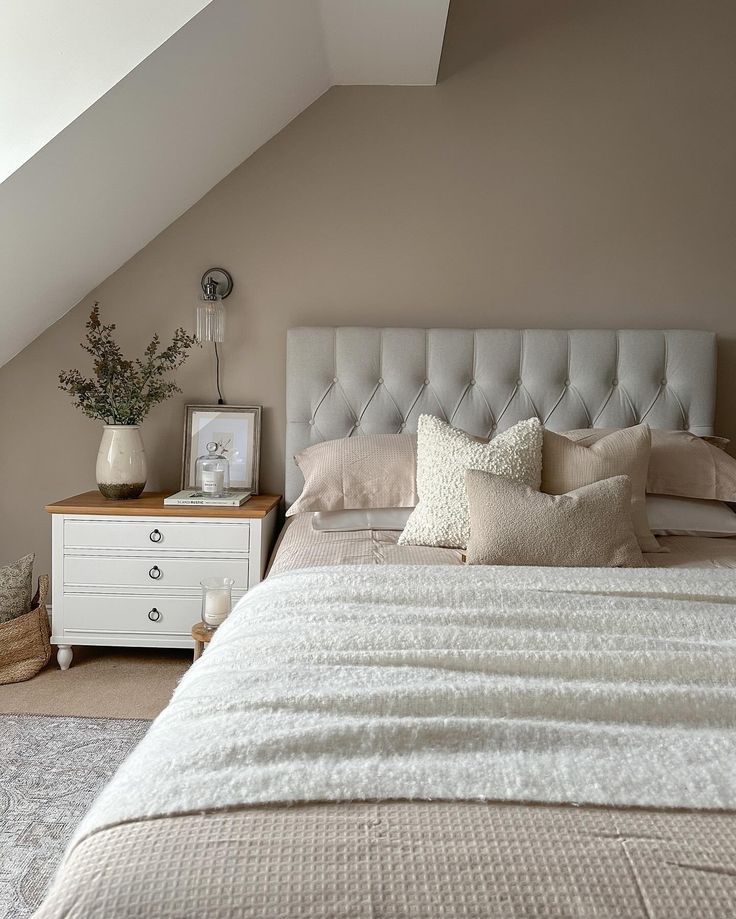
pixel 300 546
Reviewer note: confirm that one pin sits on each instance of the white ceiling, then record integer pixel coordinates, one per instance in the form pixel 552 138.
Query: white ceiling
pixel 384 41
pixel 137 153
pixel 56 61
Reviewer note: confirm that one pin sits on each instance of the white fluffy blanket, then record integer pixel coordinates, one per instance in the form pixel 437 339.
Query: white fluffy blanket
pixel 600 686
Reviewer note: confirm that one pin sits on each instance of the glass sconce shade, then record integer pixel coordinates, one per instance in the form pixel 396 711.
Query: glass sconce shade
pixel 211 321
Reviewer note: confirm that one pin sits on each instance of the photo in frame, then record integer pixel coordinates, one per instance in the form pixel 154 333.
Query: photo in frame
pixel 236 429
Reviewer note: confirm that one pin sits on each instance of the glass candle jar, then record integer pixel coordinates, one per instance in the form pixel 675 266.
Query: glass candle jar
pixel 217 601
pixel 212 472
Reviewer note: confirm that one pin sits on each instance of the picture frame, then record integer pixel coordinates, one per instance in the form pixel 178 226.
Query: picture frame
pixel 236 429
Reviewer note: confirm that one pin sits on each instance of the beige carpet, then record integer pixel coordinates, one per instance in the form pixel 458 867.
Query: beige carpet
pixel 101 683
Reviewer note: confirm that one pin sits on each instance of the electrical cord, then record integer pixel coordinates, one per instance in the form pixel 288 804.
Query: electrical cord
pixel 220 400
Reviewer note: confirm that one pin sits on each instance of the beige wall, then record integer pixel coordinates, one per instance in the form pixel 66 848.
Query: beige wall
pixel 575 167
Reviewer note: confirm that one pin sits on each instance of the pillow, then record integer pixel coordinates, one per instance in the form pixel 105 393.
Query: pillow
pixel 375 518
pixel 567 465
pixel 16 587
pixel 590 527
pixel 681 464
pixel 671 516
pixel 369 470
pixel 443 455
pixel 720 442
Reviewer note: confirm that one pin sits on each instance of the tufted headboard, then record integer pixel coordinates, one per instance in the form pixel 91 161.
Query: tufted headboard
pixel 347 381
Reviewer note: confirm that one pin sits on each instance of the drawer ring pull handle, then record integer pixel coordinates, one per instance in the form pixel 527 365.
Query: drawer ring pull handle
pixel 154 615
pixel 155 573
pixel 155 536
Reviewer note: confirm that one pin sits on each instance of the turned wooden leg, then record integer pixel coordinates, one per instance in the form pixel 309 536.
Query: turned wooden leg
pixel 64 656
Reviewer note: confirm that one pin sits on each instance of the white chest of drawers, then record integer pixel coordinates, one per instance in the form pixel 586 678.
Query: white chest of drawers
pixel 127 573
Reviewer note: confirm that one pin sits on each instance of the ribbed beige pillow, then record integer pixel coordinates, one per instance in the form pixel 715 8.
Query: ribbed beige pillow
pixel 567 465
pixel 368 470
pixel 681 464
pixel 511 524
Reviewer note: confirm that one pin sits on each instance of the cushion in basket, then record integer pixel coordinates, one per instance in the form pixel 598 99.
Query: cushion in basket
pixel 590 527
pixel 369 470
pixel 24 641
pixel 681 464
pixel 444 454
pixel 567 465
pixel 16 586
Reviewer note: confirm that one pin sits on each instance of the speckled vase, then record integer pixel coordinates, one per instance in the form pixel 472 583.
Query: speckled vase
pixel 121 462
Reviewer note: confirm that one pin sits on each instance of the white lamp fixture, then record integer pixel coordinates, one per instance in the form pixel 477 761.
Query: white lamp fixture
pixel 217 284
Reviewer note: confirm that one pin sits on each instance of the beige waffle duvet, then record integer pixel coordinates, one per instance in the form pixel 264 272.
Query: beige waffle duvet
pixel 605 698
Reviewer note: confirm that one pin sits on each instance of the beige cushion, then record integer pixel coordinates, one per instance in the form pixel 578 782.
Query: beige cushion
pixel 590 527
pixel 681 464
pixel 370 470
pixel 567 465
pixel 444 453
pixel 16 588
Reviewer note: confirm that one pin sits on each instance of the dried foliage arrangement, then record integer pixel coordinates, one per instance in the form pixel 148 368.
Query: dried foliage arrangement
pixel 123 391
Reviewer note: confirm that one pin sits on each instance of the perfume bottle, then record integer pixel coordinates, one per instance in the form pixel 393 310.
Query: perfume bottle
pixel 212 472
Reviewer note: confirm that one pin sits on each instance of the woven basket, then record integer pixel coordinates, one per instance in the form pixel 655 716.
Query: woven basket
pixel 24 641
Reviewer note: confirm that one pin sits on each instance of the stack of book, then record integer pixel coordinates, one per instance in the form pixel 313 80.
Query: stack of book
pixel 199 499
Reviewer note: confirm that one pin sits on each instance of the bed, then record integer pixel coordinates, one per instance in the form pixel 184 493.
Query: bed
pixel 265 788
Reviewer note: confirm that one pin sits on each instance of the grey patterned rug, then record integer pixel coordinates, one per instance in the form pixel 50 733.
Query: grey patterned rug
pixel 51 768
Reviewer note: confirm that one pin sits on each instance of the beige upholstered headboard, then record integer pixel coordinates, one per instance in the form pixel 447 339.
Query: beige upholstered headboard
pixel 343 382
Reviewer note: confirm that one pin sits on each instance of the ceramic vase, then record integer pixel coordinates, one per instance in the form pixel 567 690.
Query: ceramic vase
pixel 121 462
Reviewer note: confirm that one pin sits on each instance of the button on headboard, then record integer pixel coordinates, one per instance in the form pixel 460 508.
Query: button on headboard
pixel 348 381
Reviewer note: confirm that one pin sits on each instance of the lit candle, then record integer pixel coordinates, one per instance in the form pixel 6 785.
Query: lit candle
pixel 216 607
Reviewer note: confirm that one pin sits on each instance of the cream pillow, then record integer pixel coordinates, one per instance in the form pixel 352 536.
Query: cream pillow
pixel 444 454
pixel 590 527
pixel 567 465
pixel 670 515
pixel 681 464
pixel 369 470
pixel 371 518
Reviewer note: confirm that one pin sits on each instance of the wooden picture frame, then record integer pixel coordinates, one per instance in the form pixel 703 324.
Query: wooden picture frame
pixel 237 430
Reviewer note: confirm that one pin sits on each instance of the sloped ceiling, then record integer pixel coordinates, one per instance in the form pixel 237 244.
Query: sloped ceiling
pixel 164 119
pixel 57 60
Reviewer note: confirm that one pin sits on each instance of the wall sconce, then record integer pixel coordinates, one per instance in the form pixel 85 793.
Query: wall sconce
pixel 217 285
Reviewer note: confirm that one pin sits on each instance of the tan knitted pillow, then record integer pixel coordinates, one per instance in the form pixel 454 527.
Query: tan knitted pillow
pixel 511 524
pixel 368 470
pixel 567 465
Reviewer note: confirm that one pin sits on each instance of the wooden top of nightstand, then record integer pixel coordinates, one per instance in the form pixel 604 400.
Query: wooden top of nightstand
pixel 151 504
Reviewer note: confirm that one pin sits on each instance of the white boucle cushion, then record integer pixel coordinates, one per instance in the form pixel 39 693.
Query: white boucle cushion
pixel 444 455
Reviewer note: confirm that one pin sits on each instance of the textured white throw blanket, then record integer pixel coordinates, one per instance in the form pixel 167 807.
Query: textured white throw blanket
pixel 532 684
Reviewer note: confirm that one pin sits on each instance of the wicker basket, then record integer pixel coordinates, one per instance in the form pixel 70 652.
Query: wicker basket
pixel 24 641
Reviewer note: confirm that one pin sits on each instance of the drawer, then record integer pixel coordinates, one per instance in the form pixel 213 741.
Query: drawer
pixel 151 573
pixel 164 534
pixel 130 615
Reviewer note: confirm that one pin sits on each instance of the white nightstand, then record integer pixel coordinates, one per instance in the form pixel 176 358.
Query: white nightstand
pixel 127 573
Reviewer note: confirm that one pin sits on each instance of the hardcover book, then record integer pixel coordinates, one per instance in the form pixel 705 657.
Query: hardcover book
pixel 196 498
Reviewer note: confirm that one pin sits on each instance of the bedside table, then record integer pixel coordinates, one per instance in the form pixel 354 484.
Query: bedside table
pixel 127 573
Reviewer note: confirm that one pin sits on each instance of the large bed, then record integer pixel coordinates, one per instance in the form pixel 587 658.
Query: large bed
pixel 379 730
